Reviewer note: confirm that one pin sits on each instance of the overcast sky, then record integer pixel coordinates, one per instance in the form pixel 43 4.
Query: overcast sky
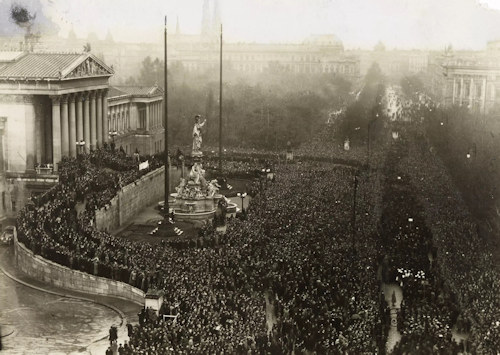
pixel 466 24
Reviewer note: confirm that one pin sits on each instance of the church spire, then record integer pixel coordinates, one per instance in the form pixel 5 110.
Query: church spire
pixel 205 20
pixel 216 19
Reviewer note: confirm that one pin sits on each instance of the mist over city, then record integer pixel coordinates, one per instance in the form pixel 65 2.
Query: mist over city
pixel 249 176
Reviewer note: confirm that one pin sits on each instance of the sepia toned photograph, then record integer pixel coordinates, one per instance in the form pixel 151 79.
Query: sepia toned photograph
pixel 250 177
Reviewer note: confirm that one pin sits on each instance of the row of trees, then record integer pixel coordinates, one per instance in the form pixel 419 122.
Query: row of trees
pixel 265 110
pixel 365 116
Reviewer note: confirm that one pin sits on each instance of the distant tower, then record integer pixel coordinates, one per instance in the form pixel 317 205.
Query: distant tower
pixel 216 19
pixel 177 27
pixel 109 37
pixel 205 20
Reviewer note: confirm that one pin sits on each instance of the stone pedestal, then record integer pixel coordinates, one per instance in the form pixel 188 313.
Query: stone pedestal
pixel 195 208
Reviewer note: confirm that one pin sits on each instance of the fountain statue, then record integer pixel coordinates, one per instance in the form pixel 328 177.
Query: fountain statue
pixel 197 139
pixel 195 197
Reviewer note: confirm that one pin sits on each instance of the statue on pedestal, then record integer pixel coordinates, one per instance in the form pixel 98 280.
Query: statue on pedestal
pixel 197 139
pixel 196 186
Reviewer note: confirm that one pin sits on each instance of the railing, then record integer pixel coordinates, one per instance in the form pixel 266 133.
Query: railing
pixel 46 169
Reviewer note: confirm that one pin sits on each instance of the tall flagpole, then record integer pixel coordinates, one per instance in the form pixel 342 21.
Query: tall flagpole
pixel 165 126
pixel 220 105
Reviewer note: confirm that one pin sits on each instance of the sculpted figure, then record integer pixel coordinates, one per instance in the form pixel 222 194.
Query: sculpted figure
pixel 197 139
pixel 180 188
pixel 213 188
pixel 196 173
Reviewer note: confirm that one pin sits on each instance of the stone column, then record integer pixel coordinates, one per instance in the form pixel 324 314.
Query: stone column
pixel 454 90
pixel 72 126
pixel 119 115
pixel 105 122
pixel 79 117
pixel 86 120
pixel 64 126
pixel 93 121
pixel 56 130
pixel 147 116
pixel 471 93
pixel 111 118
pixel 483 96
pixel 156 114
pixel 2 131
pixel 99 118
pixel 29 121
pixel 39 134
pixel 48 136
pixel 461 90
pixel 159 114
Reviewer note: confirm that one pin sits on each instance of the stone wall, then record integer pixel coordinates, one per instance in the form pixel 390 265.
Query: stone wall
pixel 62 276
pixel 131 200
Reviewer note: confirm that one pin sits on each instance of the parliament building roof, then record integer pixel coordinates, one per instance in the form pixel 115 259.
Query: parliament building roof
pixel 50 66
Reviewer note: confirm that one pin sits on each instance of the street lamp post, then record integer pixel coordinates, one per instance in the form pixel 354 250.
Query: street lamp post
pixel 113 134
pixel 242 196
pixel 80 146
pixel 353 222
pixel 265 175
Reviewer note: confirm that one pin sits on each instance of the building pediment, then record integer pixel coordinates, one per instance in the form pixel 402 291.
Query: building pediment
pixel 53 67
pixel 88 67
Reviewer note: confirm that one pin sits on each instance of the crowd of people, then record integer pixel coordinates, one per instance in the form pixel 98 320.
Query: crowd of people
pixel 465 258
pixel 219 290
pixel 428 311
pixel 300 272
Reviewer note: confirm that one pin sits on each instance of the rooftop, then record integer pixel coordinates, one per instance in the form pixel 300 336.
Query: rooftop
pixel 143 91
pixel 47 66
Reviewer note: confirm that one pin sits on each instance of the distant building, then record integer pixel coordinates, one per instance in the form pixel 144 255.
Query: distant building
pixel 467 78
pixel 317 54
pixel 323 53
pixel 395 64
pixel 471 82
pixel 135 116
pixel 48 103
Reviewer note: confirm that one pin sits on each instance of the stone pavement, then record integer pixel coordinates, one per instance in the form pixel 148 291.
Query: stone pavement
pixel 45 319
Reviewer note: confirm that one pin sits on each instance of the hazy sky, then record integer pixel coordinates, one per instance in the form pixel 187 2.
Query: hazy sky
pixel 358 23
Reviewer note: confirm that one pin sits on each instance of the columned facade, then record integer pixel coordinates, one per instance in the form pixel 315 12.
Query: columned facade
pixel 135 118
pixel 48 104
pixel 75 118
pixel 471 84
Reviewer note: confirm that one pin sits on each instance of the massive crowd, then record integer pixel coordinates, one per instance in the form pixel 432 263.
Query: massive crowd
pixel 428 311
pixel 219 290
pixel 299 274
pixel 465 258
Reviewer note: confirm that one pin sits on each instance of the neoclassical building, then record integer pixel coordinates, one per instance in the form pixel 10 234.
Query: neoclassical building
pixel 471 82
pixel 51 105
pixel 135 115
